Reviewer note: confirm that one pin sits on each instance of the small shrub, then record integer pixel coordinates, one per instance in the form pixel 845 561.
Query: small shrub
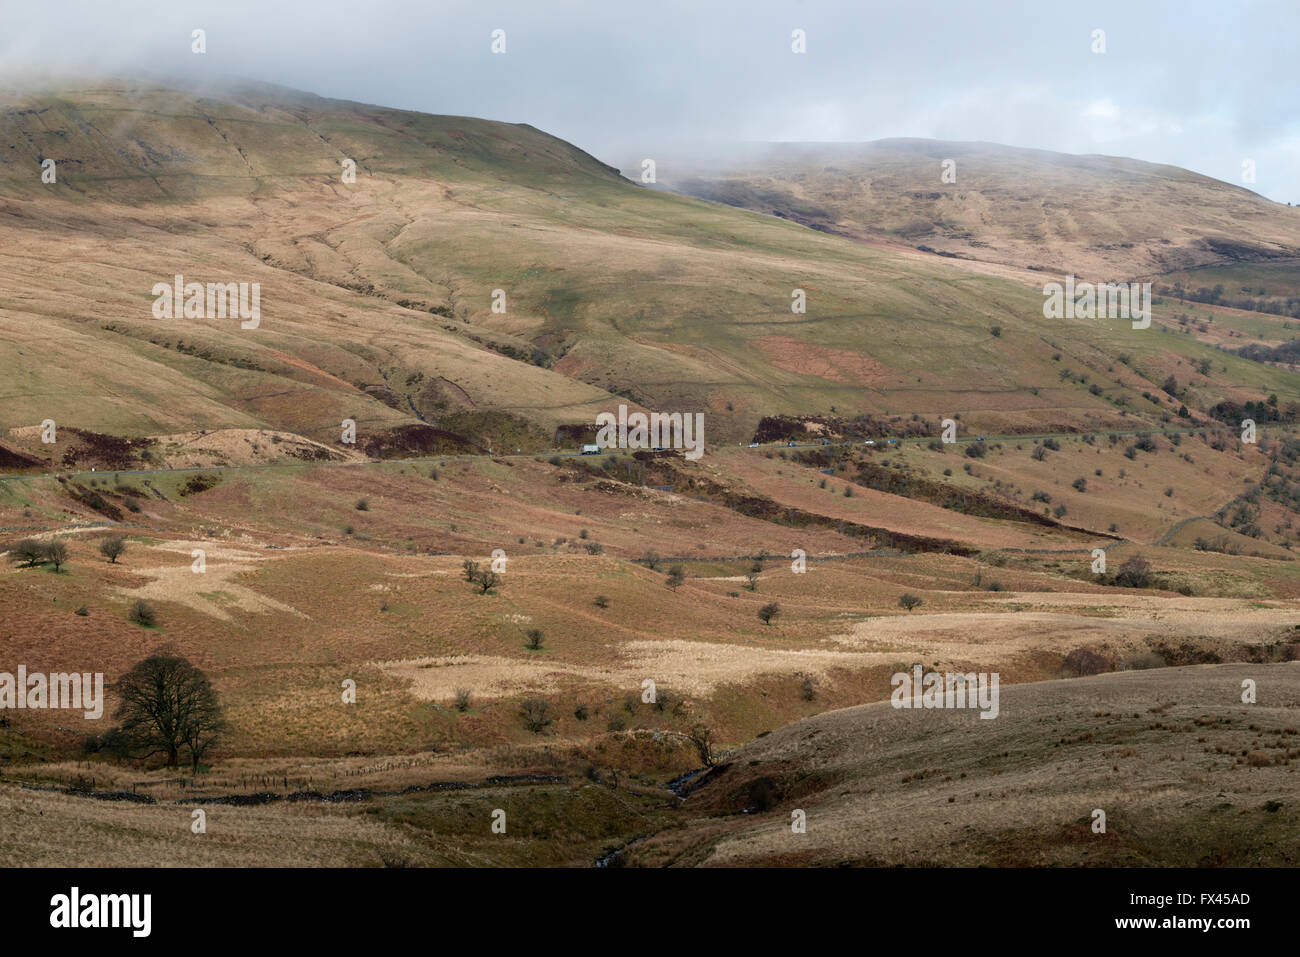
pixel 143 614
pixel 1144 661
pixel 601 601
pixel 909 601
pixel 462 699
pixel 197 483
pixel 768 612
pixel 1134 573
pixel 1082 662
pixel 536 713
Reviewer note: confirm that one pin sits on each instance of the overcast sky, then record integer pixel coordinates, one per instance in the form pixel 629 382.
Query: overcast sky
pixel 1203 84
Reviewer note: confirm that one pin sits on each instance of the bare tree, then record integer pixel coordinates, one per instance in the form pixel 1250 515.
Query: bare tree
pixel 486 580
pixel 29 551
pixel 167 704
pixel 702 737
pixel 536 713
pixel 56 553
pixel 112 547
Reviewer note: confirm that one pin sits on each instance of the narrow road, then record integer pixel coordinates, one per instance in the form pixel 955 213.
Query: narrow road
pixel 882 444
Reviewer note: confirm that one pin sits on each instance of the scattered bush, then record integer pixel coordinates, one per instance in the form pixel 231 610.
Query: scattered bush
pixel 143 613
pixel 1144 661
pixel 198 483
pixel 1084 661
pixel 909 601
pixel 768 612
pixel 1134 573
pixel 29 551
pixel 536 713
pixel 56 553
pixel 462 699
pixel 112 547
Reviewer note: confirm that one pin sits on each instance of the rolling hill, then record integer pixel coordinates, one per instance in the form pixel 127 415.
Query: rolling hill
pixel 377 297
pixel 1106 218
pixel 473 299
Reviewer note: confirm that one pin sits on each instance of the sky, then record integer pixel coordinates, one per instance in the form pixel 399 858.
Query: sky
pixel 1209 85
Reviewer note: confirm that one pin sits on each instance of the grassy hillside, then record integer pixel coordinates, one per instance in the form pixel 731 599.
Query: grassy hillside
pixel 327 562
pixel 377 296
pixel 1102 217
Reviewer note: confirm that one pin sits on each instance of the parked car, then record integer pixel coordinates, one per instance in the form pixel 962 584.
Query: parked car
pixel 753 445
pixel 869 442
pixel 591 450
